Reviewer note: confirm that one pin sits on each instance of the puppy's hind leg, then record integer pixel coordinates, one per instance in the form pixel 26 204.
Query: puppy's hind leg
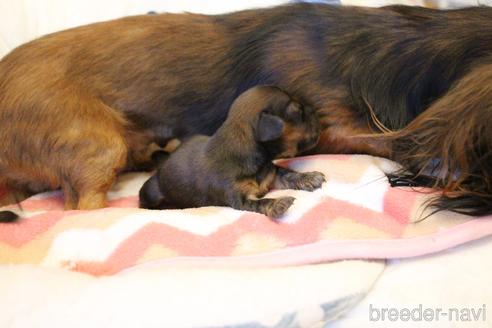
pixel 244 197
pixel 271 207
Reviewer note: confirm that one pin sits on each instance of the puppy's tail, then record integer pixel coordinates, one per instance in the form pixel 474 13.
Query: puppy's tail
pixel 8 217
pixel 452 142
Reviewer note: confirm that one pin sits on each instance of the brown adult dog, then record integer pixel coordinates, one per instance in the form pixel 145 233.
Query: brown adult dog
pixel 78 106
pixel 234 166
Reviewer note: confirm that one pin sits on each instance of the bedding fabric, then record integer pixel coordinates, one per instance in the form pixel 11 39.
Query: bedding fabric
pixel 304 296
pixel 335 295
pixel 356 214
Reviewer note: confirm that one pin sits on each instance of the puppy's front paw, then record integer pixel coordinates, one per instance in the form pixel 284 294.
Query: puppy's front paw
pixel 279 206
pixel 310 181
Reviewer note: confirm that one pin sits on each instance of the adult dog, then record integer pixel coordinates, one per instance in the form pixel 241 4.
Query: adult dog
pixel 407 83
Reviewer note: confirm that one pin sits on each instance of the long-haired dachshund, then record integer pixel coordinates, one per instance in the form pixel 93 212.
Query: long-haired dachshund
pixel 233 167
pixel 407 83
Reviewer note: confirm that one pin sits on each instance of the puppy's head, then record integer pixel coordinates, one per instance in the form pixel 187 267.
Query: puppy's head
pixel 286 127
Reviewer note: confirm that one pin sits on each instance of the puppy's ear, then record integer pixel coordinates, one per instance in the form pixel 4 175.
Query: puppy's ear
pixel 269 127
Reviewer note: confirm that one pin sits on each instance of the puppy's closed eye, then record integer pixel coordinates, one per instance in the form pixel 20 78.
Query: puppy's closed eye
pixel 270 127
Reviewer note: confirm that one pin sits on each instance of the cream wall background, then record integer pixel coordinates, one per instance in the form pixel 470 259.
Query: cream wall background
pixel 24 20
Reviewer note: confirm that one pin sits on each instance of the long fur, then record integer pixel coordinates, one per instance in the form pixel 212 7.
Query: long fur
pixel 79 105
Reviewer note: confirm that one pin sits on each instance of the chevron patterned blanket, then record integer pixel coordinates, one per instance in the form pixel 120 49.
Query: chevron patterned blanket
pixel 355 215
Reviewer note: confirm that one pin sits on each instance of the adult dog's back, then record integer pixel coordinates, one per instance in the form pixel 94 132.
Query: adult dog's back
pixel 80 105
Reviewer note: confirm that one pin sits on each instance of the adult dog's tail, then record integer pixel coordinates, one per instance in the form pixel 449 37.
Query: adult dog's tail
pixel 452 141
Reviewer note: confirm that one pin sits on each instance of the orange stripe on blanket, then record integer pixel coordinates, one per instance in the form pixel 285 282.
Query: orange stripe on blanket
pixel 388 224
pixel 55 203
pixel 17 234
pixel 130 201
pixel 400 203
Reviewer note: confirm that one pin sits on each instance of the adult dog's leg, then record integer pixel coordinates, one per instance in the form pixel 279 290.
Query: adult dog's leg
pixel 69 140
pixel 345 133
pixel 94 180
pixel 91 151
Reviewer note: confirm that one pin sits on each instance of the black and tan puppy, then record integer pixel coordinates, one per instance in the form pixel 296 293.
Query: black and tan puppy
pixel 234 166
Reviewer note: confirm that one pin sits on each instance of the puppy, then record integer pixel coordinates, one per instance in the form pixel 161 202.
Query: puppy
pixel 410 84
pixel 234 166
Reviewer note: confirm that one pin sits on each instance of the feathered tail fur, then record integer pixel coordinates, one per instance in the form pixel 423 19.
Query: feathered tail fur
pixel 452 141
